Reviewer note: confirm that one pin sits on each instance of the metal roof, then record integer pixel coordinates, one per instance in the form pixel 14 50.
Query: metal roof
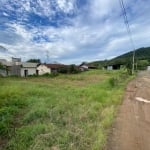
pixel 29 65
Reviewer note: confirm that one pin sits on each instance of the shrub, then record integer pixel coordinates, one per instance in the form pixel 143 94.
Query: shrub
pixel 63 70
pixel 113 82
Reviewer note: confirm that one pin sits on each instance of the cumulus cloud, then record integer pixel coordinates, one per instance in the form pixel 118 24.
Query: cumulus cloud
pixel 71 31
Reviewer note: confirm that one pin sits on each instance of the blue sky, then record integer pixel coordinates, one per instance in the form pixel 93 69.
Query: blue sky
pixel 71 31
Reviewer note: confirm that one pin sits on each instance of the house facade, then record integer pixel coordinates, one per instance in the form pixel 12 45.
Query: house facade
pixel 43 69
pixel 83 67
pixel 148 68
pixel 28 68
pixel 113 67
pixel 10 67
pixel 24 69
pixel 3 69
pixel 17 68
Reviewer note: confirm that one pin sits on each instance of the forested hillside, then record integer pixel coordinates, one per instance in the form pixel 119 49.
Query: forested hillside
pixel 142 54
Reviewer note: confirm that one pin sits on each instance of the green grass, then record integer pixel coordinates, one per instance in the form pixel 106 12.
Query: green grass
pixel 68 112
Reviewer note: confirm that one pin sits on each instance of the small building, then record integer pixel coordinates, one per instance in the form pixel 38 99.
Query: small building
pixel 148 68
pixel 10 68
pixel 43 69
pixel 2 67
pixel 109 67
pixel 17 68
pixel 92 67
pixel 55 67
pixel 28 68
pixel 113 67
pixel 83 67
pixel 2 61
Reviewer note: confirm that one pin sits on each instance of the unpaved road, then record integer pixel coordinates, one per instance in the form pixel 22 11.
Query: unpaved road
pixel 131 130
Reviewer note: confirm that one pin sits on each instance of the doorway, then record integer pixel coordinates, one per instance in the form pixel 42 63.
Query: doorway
pixel 25 73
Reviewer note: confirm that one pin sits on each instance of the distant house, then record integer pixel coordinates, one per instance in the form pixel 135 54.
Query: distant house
pixel 16 66
pixel 109 68
pixel 148 68
pixel 91 67
pixel 83 67
pixel 24 69
pixel 43 69
pixel 2 61
pixel 10 67
pixel 55 67
pixel 28 68
pixel 113 67
pixel 3 67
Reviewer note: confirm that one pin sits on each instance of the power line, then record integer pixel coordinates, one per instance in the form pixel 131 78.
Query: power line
pixel 47 56
pixel 128 31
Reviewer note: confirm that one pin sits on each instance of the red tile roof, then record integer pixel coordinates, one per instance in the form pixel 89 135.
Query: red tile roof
pixel 55 66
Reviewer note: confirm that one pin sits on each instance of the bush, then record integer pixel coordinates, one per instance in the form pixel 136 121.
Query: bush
pixel 113 82
pixel 72 69
pixel 50 75
pixel 63 70
pixel 142 64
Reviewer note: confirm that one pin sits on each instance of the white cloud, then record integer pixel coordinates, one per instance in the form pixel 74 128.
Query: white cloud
pixel 101 8
pixel 65 5
pixel 97 31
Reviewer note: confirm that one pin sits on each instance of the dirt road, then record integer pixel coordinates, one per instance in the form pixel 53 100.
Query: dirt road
pixel 131 130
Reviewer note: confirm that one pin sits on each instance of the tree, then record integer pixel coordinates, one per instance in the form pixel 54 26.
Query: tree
pixel 1 66
pixel 63 69
pixel 73 69
pixel 142 64
pixel 34 60
pixel 128 65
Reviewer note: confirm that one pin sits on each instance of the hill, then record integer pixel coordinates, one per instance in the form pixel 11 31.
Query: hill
pixel 140 54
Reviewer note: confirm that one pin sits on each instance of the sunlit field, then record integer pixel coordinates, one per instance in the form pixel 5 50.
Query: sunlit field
pixel 67 112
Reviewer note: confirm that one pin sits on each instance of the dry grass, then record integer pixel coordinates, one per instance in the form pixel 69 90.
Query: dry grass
pixel 68 112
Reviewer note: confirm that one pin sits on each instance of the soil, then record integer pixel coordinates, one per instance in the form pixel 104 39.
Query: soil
pixel 131 129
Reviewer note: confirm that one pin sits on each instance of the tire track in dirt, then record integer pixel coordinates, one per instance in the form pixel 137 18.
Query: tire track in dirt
pixel 131 130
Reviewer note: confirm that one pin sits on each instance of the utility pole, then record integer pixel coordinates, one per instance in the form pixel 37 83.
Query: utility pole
pixel 133 62
pixel 129 32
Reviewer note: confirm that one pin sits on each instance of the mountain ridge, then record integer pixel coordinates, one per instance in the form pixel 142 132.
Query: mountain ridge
pixel 140 54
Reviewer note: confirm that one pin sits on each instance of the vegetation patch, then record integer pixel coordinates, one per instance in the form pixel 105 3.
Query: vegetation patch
pixel 66 112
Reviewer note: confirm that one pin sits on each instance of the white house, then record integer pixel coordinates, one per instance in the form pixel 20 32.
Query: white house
pixel 148 68
pixel 10 67
pixel 28 68
pixel 42 69
pixel 83 67
pixel 109 67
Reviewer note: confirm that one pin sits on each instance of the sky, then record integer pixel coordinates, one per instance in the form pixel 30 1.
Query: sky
pixel 71 31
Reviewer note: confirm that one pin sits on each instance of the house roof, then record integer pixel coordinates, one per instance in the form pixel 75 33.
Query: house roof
pixel 55 66
pixel 2 60
pixel 6 63
pixel 83 66
pixel 23 64
pixel 29 65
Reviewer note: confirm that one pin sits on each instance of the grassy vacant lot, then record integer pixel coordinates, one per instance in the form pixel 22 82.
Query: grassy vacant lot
pixel 68 112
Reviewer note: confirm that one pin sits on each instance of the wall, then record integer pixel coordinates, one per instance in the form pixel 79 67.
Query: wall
pixel 31 71
pixel 148 67
pixel 15 70
pixel 109 67
pixel 42 69
pixel 3 72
